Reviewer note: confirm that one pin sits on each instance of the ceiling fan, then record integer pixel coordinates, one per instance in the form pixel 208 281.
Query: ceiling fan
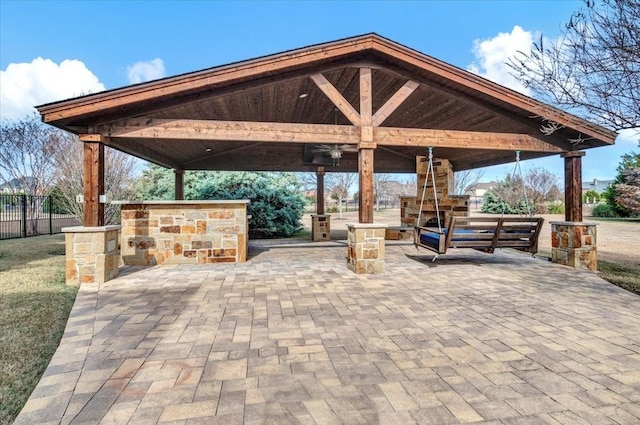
pixel 334 151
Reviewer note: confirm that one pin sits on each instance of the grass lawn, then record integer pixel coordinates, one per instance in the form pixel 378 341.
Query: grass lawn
pixel 626 276
pixel 34 306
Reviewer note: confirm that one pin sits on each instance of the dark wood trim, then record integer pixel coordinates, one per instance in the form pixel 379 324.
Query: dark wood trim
pixel 93 183
pixel 179 185
pixel 320 191
pixel 573 185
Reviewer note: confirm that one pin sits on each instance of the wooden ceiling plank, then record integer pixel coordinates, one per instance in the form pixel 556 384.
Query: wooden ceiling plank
pixel 225 152
pixel 388 136
pixel 392 104
pixel 141 151
pixel 482 85
pixel 336 97
pixel 233 131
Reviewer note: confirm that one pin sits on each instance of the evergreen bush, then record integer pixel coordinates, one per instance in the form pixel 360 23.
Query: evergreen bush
pixel 604 210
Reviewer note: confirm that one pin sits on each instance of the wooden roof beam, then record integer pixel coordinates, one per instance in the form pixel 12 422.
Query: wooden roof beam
pixel 232 131
pixel 389 136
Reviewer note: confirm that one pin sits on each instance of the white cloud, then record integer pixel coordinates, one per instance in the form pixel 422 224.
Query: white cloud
pixel 493 54
pixel 142 71
pixel 25 85
pixel 630 135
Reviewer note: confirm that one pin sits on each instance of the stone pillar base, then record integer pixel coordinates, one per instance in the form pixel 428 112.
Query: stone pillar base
pixel 365 253
pixel 574 244
pixel 92 254
pixel 320 227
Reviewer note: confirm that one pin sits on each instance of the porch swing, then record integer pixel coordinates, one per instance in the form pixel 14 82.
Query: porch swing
pixel 481 233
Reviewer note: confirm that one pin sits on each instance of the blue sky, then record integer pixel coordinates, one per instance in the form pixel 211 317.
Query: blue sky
pixel 87 46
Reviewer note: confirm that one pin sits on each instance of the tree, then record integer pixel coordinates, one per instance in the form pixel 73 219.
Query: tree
pixel 158 183
pixel 531 192
pixel 629 191
pixel 276 203
pixel 462 180
pixel 542 188
pixel 622 196
pixel 380 187
pixel 593 68
pixel 338 186
pixel 119 176
pixel 26 147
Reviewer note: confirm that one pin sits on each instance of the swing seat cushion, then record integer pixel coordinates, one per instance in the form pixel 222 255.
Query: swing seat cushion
pixel 433 239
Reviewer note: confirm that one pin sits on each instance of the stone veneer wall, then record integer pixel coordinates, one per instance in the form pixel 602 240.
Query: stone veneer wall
pixel 184 233
pixel 449 205
pixel 92 254
pixel 574 244
pixel 366 249
pixel 320 227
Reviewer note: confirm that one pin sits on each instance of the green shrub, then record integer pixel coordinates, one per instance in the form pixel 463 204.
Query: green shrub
pixel 555 208
pixel 604 210
pixel 492 204
pixel 276 204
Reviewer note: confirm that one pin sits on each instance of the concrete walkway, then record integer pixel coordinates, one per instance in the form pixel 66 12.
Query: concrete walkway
pixel 293 337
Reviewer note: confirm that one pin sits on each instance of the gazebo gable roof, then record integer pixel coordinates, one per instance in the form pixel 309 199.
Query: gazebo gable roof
pixel 278 88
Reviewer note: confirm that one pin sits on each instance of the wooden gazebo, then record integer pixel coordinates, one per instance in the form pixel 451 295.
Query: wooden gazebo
pixel 269 113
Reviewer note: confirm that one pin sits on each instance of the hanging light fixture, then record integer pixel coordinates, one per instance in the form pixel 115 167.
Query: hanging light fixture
pixel 335 155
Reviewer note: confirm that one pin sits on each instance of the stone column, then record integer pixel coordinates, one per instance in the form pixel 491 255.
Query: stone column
pixel 365 252
pixel 92 254
pixel 320 227
pixel 574 244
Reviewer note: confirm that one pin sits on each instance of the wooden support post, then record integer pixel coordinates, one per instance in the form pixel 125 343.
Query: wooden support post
pixel 365 169
pixel 573 185
pixel 320 191
pixel 93 181
pixel 179 184
pixel 366 147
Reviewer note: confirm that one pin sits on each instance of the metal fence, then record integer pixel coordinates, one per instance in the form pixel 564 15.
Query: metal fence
pixel 22 216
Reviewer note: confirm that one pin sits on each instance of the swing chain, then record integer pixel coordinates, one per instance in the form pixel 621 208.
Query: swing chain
pixel 424 190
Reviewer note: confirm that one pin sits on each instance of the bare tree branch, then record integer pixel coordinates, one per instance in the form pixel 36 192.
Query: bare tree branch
pixel 119 176
pixel 593 69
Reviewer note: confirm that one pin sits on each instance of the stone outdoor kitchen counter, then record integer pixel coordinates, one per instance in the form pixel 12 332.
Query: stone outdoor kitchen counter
pixel 183 232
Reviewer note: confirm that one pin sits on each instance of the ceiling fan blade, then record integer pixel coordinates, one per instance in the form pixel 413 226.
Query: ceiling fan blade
pixel 349 148
pixel 322 148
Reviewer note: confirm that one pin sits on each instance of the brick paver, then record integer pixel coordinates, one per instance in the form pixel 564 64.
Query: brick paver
pixel 293 337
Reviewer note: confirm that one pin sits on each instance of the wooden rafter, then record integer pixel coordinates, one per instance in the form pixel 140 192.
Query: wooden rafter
pixel 336 97
pixel 392 104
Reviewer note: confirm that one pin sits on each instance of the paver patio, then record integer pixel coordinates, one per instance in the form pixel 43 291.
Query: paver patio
pixel 292 336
